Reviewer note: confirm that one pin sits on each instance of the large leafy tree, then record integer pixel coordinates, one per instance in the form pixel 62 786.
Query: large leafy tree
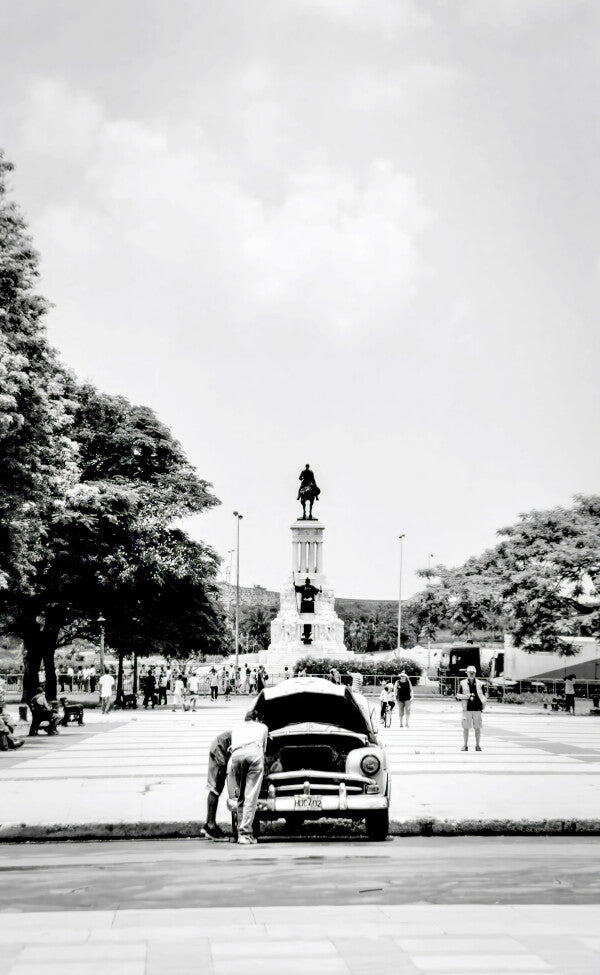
pixel 115 545
pixel 541 582
pixel 36 451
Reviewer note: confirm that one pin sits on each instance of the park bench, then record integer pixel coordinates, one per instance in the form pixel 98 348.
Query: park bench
pixel 43 718
pixel 71 712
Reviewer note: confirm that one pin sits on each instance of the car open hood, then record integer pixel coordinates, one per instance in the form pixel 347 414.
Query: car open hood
pixel 313 699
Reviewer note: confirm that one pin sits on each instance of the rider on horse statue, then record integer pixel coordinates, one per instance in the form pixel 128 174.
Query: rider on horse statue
pixel 308 492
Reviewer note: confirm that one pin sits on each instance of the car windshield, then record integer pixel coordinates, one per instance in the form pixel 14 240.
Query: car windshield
pixel 339 709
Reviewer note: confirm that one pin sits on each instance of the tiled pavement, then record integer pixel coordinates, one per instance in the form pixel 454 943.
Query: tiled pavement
pixel 324 940
pixel 151 766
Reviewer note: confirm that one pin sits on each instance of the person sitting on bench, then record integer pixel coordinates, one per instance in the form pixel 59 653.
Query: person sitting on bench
pixel 71 712
pixel 7 737
pixel 42 713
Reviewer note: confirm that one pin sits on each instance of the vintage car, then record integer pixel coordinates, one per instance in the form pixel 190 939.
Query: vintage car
pixel 323 757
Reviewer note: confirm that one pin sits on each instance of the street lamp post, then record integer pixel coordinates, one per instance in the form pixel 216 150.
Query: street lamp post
pixel 429 558
pixel 238 518
pixel 101 621
pixel 401 537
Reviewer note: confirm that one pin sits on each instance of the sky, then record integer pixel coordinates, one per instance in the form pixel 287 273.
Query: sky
pixel 360 234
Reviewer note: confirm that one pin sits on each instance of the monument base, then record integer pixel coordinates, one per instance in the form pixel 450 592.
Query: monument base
pixel 275 661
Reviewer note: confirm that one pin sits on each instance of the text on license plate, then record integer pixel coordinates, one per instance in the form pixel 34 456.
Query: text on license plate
pixel 308 802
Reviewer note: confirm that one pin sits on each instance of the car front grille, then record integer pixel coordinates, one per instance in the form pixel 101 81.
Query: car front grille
pixel 320 783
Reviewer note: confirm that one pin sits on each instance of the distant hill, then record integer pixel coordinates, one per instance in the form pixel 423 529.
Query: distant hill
pixel 257 595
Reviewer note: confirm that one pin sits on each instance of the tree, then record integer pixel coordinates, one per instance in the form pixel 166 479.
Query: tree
pixel 541 582
pixel 37 461
pixel 114 545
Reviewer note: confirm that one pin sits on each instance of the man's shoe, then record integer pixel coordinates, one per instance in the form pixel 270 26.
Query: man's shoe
pixel 246 840
pixel 465 748
pixel 477 748
pixel 215 833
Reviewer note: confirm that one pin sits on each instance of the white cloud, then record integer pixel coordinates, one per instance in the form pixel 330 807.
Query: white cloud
pixel 162 223
pixel 516 13
pixel 388 15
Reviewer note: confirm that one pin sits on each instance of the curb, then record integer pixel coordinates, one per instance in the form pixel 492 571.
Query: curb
pixel 22 833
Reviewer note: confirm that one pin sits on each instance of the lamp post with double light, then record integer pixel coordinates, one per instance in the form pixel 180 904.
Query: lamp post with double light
pixel 401 538
pixel 238 518
pixel 101 621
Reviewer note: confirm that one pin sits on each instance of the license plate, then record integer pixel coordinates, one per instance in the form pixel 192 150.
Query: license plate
pixel 308 802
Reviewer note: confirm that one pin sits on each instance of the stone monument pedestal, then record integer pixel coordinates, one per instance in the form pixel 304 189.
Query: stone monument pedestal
pixel 296 634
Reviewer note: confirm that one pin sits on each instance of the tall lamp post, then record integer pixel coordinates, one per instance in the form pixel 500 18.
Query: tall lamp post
pixel 429 558
pixel 101 621
pixel 238 518
pixel 401 538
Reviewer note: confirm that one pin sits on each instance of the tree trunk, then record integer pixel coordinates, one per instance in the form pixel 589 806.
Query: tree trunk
pixel 32 659
pixel 120 681
pixel 50 671
pixel 135 676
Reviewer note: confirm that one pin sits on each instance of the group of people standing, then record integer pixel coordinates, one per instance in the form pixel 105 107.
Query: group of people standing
pixel 470 692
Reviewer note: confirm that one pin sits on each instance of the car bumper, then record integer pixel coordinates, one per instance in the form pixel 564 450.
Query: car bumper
pixel 331 805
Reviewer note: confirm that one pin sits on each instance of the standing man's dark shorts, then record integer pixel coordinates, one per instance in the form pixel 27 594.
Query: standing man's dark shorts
pixel 218 756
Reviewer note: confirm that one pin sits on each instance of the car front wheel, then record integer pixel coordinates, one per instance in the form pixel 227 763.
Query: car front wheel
pixel 378 824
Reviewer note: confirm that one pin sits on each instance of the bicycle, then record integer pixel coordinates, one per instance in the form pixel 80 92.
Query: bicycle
pixel 386 713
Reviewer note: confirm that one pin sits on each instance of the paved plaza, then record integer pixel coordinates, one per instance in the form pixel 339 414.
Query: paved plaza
pixel 435 906
pixel 149 767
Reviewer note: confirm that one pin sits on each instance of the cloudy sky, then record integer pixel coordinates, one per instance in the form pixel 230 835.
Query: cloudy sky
pixel 362 234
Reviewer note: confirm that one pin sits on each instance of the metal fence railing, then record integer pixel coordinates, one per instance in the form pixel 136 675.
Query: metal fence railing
pixel 507 691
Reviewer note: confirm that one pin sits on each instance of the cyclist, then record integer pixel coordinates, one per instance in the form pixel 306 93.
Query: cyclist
pixel 387 702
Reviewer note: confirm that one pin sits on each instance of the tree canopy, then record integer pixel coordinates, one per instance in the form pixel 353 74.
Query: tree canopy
pixel 541 582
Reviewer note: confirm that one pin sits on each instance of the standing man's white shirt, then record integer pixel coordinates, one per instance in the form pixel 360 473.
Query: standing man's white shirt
pixel 249 733
pixel 106 683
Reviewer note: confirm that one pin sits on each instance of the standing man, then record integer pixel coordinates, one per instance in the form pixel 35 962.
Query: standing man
pixel 246 770
pixel 150 689
pixel 570 693
pixel 193 689
pixel 163 681
pixel 218 757
pixel 106 684
pixel 473 699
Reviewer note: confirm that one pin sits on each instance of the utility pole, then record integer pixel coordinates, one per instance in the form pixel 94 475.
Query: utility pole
pixel 401 537
pixel 238 517
pixel 429 558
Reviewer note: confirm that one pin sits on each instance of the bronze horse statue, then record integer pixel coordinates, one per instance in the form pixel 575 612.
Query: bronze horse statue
pixel 308 493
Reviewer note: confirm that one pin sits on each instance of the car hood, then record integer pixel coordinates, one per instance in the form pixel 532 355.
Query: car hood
pixel 311 699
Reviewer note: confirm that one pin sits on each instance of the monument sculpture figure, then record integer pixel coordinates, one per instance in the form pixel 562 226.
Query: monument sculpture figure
pixel 308 492
pixel 307 596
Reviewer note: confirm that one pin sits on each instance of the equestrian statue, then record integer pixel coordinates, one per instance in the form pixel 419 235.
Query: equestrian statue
pixel 308 492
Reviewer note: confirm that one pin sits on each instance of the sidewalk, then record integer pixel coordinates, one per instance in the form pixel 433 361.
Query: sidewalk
pixel 143 773
pixel 324 939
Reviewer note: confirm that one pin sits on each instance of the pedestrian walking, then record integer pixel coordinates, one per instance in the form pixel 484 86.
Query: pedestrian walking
pixel 570 694
pixel 261 679
pixel 227 685
pixel 472 696
pixel 193 689
pixel 106 685
pixel 214 685
pixel 70 677
pixel 253 681
pixel 246 769
pixel 335 676
pixel 404 694
pixel 218 757
pixel 163 682
pixel 92 679
pixel 178 694
pixel 246 684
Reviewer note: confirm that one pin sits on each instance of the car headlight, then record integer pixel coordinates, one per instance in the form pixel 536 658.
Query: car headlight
pixel 370 764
